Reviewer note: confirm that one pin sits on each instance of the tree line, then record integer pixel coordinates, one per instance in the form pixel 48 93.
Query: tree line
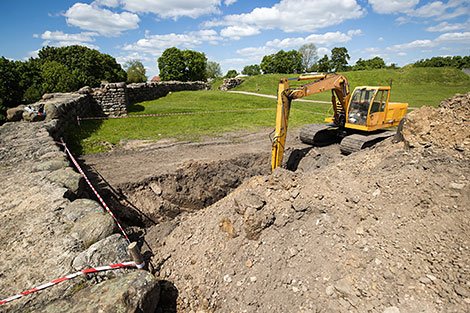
pixel 61 69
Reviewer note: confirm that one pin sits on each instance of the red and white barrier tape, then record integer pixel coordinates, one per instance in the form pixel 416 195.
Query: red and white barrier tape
pixel 70 276
pixel 94 190
pixel 169 114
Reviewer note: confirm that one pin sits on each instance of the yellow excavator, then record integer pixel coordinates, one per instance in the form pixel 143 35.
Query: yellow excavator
pixel 357 120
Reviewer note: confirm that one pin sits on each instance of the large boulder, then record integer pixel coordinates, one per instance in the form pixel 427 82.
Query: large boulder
pixel 230 83
pixel 93 227
pixel 136 291
pixel 15 114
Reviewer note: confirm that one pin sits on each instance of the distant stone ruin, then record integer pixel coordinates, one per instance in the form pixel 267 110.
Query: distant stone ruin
pixel 230 83
pixel 110 99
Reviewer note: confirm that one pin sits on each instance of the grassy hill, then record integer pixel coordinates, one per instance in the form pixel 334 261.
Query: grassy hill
pixel 415 86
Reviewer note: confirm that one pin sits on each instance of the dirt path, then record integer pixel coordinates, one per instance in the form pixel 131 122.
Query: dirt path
pixel 136 160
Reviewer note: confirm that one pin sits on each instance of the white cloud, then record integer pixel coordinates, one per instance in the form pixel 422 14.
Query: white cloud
pixel 461 38
pixel 446 27
pixel 156 44
pixel 61 36
pixel 61 39
pixel 402 54
pixel 322 51
pixel 392 6
pixel 412 45
pixel 229 2
pixel 107 3
pixel 103 21
pixel 173 8
pixel 326 39
pixel 236 32
pixel 380 39
pixel 296 15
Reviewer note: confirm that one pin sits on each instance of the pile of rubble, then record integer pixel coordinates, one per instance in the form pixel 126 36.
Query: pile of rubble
pixel 382 230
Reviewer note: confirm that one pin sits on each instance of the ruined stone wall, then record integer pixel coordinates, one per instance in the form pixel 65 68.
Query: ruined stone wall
pixel 150 91
pixel 111 98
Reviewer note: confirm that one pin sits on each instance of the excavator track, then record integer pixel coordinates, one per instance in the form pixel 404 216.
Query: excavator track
pixel 356 142
pixel 319 134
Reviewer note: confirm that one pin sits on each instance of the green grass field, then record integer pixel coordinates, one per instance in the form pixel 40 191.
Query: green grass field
pixel 416 86
pixel 93 136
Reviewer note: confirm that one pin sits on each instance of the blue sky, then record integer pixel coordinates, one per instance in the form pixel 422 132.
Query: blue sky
pixel 236 33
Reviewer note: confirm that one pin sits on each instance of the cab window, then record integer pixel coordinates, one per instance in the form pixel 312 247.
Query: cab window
pixel 359 106
pixel 379 102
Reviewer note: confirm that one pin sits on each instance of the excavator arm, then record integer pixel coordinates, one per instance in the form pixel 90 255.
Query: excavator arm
pixel 321 82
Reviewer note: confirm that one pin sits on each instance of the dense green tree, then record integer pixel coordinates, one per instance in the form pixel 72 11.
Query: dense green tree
pixel 324 64
pixel 339 59
pixel 196 63
pixel 251 70
pixel 282 62
pixel 268 65
pixel 135 72
pixel 88 65
pixel 309 57
pixel 231 74
pixel 10 91
pixel 186 65
pixel 213 70
pixel 57 77
pixel 455 61
pixel 370 64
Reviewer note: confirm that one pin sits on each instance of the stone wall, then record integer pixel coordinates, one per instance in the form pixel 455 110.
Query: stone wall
pixel 111 98
pixel 150 91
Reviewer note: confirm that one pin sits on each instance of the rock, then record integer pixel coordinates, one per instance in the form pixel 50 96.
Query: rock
pixel 85 90
pixel 391 309
pixel 344 287
pixel 47 96
pixel 50 166
pixel 68 178
pixel 15 114
pixel 137 291
pixel 248 200
pixel 457 186
pixel 461 291
pixel 51 111
pixel 156 189
pixel 111 250
pixel 330 290
pixel 300 205
pixel 81 207
pixel 227 278
pixel 94 227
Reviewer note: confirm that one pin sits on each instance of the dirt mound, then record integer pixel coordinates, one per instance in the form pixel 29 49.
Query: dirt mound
pixel 383 230
pixel 447 126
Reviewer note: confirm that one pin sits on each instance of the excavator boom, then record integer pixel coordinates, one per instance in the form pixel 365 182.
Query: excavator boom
pixel 285 94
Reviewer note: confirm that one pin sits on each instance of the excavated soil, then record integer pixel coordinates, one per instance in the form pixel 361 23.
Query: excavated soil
pixel 382 230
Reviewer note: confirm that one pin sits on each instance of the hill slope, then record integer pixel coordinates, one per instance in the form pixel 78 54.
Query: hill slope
pixel 416 86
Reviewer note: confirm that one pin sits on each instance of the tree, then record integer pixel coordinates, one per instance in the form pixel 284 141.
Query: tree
pixel 324 64
pixel 186 65
pixel 339 59
pixel 309 56
pixel 231 74
pixel 251 70
pixel 455 61
pixel 88 65
pixel 370 64
pixel 56 77
pixel 282 62
pixel 135 72
pixel 267 64
pixel 213 70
